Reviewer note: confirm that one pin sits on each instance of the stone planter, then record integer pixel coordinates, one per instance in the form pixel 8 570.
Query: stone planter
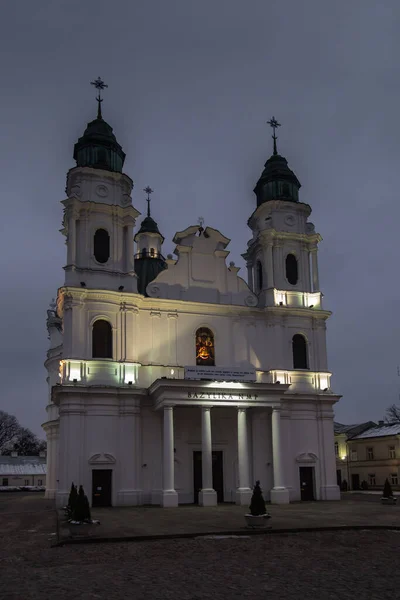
pixel 83 530
pixel 391 500
pixel 257 522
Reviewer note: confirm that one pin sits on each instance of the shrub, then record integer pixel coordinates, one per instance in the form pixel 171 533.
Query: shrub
pixel 73 494
pixel 387 490
pixel 257 505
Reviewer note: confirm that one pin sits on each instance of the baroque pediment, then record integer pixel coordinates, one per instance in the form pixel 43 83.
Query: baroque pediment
pixel 306 457
pixel 102 459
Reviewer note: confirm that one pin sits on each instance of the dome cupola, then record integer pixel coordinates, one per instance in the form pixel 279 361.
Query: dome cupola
pixel 277 181
pixel 98 147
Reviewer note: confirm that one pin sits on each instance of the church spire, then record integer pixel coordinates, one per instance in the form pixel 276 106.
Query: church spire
pixel 148 191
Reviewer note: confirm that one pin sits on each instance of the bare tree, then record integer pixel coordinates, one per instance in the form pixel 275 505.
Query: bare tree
pixel 14 438
pixel 393 414
pixel 9 429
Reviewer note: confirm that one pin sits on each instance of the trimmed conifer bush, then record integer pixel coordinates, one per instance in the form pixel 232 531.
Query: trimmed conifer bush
pixel 73 494
pixel 387 490
pixel 257 505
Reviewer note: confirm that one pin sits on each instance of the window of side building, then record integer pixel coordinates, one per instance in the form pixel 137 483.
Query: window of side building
pixel 353 455
pixel 392 452
pixel 371 479
pixel 370 453
pixel 4 481
pixel 394 479
pixel 336 449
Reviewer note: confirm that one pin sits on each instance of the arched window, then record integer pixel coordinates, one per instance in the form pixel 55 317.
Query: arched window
pixel 101 246
pixel 299 347
pixel 292 274
pixel 259 276
pixel 152 252
pixel 102 339
pixel 205 349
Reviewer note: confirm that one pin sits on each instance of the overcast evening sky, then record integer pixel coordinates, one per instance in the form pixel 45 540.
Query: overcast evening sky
pixel 191 86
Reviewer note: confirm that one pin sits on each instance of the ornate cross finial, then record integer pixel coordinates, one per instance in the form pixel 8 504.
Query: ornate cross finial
pixel 148 191
pixel 200 221
pixel 274 124
pixel 99 85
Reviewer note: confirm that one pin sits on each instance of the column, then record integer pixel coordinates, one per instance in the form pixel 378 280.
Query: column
pixel 129 249
pixel 250 276
pixel 314 263
pixel 269 264
pixel 127 481
pixel 279 493
pixel 169 495
pixel 243 493
pixel 207 496
pixel 71 249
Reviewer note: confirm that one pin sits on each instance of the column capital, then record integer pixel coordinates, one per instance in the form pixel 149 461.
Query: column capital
pixel 207 407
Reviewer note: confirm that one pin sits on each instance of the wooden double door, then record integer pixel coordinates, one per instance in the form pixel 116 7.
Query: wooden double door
pixel 217 472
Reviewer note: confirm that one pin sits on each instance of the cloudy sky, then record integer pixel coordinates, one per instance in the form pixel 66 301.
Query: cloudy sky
pixel 191 85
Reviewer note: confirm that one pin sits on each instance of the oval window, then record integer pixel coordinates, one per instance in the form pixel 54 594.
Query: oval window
pixel 101 245
pixel 291 269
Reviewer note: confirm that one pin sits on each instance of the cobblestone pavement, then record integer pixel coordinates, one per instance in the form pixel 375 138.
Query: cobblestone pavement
pixel 313 565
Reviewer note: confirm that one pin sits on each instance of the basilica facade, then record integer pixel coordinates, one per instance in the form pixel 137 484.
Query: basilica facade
pixel 173 380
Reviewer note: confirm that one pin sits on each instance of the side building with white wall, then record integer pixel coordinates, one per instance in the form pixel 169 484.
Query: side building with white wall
pixel 172 380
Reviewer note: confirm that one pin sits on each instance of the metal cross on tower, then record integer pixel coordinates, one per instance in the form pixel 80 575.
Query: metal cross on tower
pixel 274 124
pixel 99 85
pixel 148 191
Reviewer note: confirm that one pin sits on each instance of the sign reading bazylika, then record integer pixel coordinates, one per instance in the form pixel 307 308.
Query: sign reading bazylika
pixel 220 373
pixel 203 395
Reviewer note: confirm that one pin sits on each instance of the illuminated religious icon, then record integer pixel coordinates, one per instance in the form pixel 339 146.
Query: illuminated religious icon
pixel 205 347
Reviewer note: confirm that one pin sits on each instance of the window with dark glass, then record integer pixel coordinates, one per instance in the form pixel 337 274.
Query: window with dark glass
pixel 259 275
pixel 205 350
pixel 299 346
pixel 101 339
pixel 291 269
pixel 101 248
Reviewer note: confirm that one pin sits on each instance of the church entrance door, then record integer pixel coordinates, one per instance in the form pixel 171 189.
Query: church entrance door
pixel 217 472
pixel 101 487
pixel 307 483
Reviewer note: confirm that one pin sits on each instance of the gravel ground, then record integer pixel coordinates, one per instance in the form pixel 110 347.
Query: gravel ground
pixel 324 565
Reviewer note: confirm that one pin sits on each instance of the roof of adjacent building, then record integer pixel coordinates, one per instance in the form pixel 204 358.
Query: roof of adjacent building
pixel 379 431
pixel 22 465
pixel 353 430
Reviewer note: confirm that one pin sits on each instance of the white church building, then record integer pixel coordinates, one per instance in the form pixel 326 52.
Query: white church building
pixel 173 380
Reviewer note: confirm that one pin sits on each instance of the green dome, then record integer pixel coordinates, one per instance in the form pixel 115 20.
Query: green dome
pixel 149 225
pixel 277 182
pixel 98 148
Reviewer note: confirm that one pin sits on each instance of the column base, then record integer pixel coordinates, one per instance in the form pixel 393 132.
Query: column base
pixel 50 494
pixel 169 498
pixel 243 496
pixel 208 497
pixel 280 496
pixel 61 498
pixel 129 498
pixel 330 492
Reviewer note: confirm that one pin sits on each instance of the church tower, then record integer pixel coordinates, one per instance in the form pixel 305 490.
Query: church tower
pixel 149 261
pixel 282 255
pixel 98 214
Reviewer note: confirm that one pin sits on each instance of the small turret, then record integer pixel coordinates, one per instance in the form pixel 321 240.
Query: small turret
pixel 149 261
